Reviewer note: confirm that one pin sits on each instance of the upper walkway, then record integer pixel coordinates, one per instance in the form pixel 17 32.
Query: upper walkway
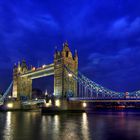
pixel 45 70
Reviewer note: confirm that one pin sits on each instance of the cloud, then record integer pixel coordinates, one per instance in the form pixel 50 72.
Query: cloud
pixel 120 67
pixel 123 59
pixel 106 35
pixel 24 31
pixel 124 28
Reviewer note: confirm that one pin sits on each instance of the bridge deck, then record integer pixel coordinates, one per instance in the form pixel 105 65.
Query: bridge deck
pixel 104 100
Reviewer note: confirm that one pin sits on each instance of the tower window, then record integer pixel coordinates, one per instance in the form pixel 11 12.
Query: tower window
pixel 67 53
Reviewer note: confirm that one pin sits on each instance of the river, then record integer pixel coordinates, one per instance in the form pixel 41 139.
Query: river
pixel 96 126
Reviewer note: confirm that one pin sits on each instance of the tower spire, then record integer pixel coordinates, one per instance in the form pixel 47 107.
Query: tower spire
pixel 56 49
pixel 75 55
pixel 66 47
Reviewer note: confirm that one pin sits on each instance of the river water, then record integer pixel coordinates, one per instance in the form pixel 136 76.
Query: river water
pixel 96 126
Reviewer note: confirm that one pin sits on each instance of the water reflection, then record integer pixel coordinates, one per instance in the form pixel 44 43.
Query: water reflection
pixel 85 127
pixel 33 125
pixel 8 129
pixel 50 124
pixel 56 123
pixel 69 127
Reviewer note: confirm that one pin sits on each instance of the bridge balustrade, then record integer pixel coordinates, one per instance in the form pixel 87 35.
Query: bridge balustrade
pixel 91 90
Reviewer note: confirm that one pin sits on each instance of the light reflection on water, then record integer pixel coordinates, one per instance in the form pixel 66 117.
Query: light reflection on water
pixel 85 128
pixel 99 126
pixel 8 130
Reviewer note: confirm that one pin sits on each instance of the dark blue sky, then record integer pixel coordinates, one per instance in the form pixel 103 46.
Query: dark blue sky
pixel 106 34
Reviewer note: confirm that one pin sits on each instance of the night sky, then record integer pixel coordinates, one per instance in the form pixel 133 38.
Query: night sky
pixel 106 34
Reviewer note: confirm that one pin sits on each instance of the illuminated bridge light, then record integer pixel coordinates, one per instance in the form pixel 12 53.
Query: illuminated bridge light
pixel 43 66
pixel 57 103
pixel 9 105
pixel 84 105
pixel 70 75
pixel 49 103
pixel 33 68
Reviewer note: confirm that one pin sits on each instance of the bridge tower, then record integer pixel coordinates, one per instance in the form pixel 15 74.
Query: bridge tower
pixel 64 84
pixel 22 86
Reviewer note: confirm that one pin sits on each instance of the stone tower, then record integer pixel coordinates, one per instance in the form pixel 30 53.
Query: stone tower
pixel 22 86
pixel 63 82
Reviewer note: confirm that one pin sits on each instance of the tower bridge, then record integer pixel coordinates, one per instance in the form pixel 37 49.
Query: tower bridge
pixel 68 80
pixel 69 83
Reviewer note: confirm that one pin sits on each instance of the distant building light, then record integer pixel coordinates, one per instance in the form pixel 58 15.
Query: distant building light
pixel 46 93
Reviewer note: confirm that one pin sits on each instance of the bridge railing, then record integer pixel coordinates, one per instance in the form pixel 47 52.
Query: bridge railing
pixel 90 89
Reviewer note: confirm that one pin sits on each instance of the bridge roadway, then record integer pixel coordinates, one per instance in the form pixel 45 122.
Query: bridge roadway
pixel 45 70
pixel 129 100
